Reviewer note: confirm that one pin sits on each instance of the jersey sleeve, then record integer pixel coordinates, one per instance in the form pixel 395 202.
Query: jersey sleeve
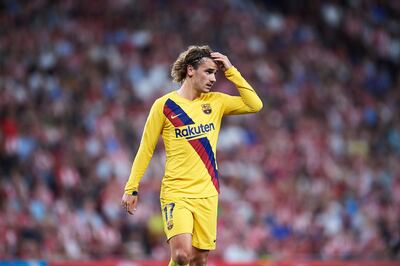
pixel 151 133
pixel 247 102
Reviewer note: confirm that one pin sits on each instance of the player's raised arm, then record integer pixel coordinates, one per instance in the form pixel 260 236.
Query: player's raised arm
pixel 248 102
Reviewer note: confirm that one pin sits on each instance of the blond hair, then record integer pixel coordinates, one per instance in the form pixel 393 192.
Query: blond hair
pixel 192 56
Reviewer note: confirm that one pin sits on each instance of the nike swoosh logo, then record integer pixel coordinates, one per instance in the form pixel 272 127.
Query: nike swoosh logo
pixel 175 116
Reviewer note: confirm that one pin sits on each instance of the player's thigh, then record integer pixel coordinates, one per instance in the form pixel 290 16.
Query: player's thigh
pixel 177 217
pixel 205 223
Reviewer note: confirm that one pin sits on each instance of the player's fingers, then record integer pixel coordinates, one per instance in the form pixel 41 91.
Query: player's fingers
pixel 134 204
pixel 218 59
pixel 131 209
pixel 217 55
pixel 125 205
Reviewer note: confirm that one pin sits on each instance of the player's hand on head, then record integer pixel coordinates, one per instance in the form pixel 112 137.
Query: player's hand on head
pixel 129 203
pixel 221 60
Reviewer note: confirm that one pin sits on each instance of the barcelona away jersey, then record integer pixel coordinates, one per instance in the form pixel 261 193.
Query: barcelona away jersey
pixel 189 130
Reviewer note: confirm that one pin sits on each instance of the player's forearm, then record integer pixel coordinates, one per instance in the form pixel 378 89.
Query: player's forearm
pixel 143 157
pixel 247 93
pixel 138 169
pixel 151 133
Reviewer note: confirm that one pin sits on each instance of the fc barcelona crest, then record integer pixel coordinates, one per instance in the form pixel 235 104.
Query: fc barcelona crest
pixel 206 108
pixel 170 224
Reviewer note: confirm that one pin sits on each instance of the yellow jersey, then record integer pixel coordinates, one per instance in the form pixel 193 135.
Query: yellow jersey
pixel 189 130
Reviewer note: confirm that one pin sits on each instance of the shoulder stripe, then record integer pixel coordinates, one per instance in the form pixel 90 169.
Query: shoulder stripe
pixel 176 115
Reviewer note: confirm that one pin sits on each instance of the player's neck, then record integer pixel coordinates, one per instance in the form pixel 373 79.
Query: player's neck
pixel 188 92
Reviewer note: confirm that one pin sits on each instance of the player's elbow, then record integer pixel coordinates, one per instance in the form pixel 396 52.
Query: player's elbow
pixel 258 105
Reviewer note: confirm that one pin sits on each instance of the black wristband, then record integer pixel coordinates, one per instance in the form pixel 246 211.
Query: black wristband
pixel 134 193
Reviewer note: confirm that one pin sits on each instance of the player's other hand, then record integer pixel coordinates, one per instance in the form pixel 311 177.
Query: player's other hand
pixel 221 60
pixel 129 203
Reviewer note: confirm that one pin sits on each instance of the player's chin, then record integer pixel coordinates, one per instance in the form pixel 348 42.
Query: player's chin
pixel 207 89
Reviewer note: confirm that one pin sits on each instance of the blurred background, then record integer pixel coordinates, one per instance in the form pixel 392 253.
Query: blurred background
pixel 314 175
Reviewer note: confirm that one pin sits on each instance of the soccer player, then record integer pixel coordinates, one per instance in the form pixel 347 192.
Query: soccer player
pixel 189 121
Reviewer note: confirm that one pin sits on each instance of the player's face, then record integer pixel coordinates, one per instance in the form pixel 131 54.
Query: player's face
pixel 204 75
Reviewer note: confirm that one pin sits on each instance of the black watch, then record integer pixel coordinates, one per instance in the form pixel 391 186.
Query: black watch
pixel 134 193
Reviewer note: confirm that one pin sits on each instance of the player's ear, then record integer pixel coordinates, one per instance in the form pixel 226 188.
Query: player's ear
pixel 190 71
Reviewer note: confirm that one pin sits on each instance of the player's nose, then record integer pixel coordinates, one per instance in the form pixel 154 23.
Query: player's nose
pixel 212 79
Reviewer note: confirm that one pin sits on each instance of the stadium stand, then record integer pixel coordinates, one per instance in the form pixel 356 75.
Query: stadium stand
pixel 315 175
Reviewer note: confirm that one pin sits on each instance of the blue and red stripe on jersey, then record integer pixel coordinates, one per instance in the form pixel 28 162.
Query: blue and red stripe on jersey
pixel 178 117
pixel 203 148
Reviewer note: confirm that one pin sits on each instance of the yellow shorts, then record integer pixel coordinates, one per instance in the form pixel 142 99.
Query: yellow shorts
pixel 194 216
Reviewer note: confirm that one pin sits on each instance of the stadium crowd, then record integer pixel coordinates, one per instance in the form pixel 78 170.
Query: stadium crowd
pixel 316 174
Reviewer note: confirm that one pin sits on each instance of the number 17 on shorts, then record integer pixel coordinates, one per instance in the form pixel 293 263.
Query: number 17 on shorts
pixel 168 211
